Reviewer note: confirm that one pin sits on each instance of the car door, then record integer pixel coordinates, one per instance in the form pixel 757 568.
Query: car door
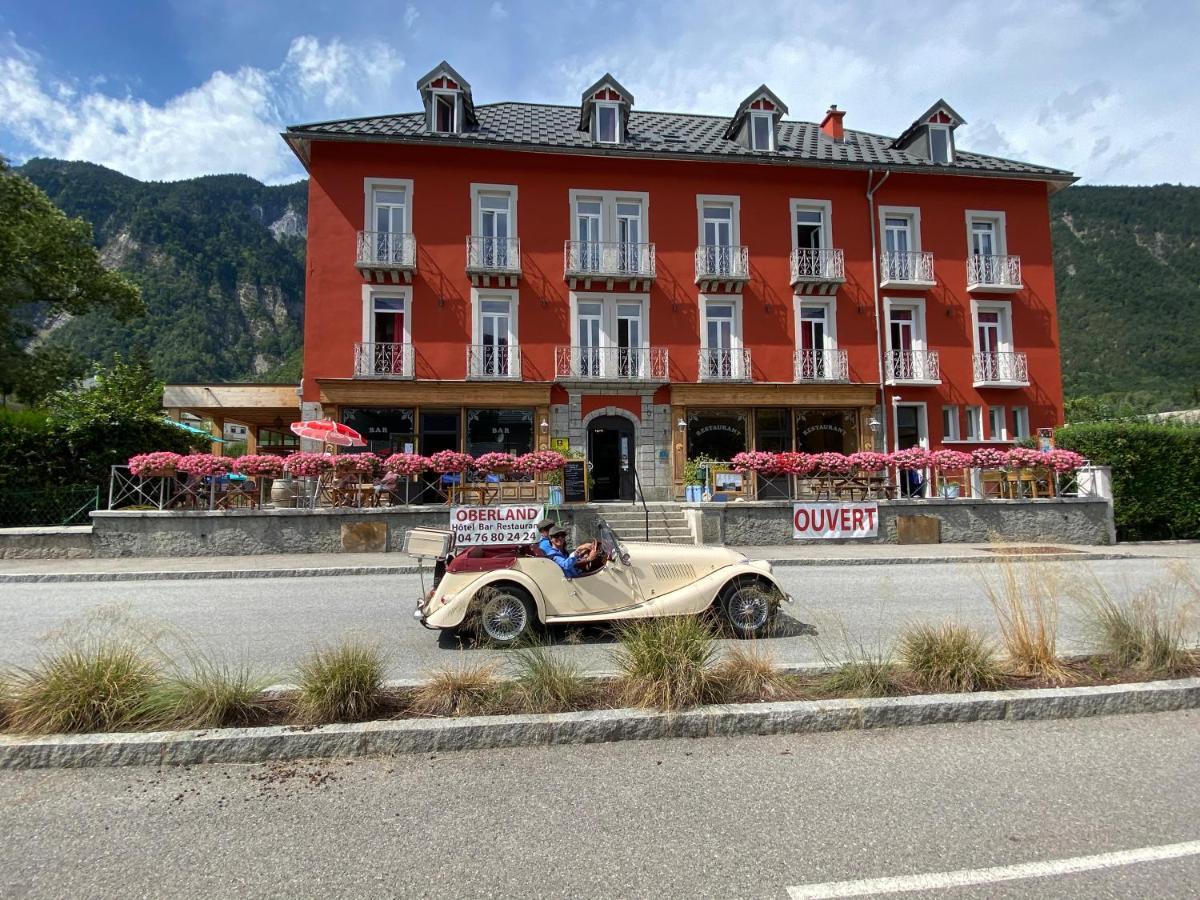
pixel 608 590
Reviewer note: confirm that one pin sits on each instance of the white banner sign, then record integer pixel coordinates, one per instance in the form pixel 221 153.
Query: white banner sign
pixel 835 520
pixel 476 525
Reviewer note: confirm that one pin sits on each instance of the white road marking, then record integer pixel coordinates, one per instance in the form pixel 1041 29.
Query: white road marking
pixel 932 881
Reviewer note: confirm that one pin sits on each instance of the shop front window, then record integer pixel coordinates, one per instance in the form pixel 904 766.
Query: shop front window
pixel 440 430
pixel 385 429
pixel 826 430
pixel 499 431
pixel 773 434
pixel 716 434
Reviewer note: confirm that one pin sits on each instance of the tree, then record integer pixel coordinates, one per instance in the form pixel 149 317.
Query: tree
pixel 48 259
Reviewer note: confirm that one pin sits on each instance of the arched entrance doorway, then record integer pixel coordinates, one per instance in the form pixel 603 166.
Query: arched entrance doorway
pixel 611 458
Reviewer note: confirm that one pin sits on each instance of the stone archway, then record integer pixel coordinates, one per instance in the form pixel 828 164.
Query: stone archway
pixel 611 440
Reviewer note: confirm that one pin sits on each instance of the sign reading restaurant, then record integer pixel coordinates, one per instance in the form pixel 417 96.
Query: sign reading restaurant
pixel 474 526
pixel 828 521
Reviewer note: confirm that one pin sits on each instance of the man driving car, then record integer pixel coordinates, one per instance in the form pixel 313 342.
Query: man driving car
pixel 574 564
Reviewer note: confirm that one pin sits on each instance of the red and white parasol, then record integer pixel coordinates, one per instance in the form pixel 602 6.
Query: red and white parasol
pixel 328 432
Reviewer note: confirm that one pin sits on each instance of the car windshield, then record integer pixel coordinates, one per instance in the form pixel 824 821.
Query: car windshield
pixel 609 542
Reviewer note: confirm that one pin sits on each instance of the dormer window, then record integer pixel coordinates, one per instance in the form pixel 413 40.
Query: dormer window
pixel 931 136
pixel 447 98
pixel 762 131
pixel 445 112
pixel 608 123
pixel 940 146
pixel 755 124
pixel 604 111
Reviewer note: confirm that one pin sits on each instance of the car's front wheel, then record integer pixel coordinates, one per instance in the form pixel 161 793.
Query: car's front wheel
pixel 748 607
pixel 506 614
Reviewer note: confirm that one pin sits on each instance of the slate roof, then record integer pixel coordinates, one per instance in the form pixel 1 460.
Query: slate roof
pixel 535 125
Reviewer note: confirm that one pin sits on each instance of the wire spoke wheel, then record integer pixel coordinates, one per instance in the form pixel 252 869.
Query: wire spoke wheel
pixel 504 617
pixel 748 608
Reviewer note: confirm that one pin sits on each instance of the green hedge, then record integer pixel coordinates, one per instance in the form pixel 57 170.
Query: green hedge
pixel 1156 475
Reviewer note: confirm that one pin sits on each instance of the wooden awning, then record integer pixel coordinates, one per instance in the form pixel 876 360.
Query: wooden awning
pixel 382 392
pixel 257 405
pixel 775 394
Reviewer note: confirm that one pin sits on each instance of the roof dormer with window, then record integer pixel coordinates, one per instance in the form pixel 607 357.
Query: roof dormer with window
pixel 604 111
pixel 447 99
pixel 755 125
pixel 931 136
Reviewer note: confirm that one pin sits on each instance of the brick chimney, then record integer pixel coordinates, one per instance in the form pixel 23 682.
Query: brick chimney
pixel 832 123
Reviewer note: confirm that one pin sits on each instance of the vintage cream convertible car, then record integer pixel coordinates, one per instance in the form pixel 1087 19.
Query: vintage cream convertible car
pixel 510 590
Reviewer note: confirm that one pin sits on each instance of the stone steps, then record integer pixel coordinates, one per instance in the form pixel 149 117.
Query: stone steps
pixel 666 520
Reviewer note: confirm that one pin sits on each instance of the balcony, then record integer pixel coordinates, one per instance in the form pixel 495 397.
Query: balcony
pixel 720 266
pixel 373 360
pixel 493 257
pixel 817 271
pixel 994 274
pixel 821 365
pixel 1000 370
pixel 490 361
pixel 626 365
pixel 724 364
pixel 608 262
pixel 386 256
pixel 911 270
pixel 913 367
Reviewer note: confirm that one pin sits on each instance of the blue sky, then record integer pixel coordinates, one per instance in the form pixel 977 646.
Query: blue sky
pixel 170 90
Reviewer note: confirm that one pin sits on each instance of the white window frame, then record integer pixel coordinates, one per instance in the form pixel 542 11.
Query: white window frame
pixel 917 304
pixel 998 219
pixel 753 116
pixel 608 211
pixel 734 300
pixel 731 200
pixel 479 190
pixel 912 213
pixel 392 292
pixel 371 185
pixel 949 144
pixel 478 295
pixel 825 207
pixel 800 301
pixel 456 98
pixel 608 314
pixel 951 416
pixel 1020 423
pixel 616 108
pixel 974 417
pixel 1004 307
pixel 922 421
pixel 991 423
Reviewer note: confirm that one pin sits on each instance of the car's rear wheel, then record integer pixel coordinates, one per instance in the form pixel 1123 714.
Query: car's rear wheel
pixel 748 606
pixel 506 614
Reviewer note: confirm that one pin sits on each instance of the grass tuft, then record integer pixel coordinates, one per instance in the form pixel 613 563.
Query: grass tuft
pixel 667 663
pixel 91 685
pixel 1148 633
pixel 948 658
pixel 545 681
pixel 748 675
pixel 471 690
pixel 864 674
pixel 1025 601
pixel 341 683
pixel 205 694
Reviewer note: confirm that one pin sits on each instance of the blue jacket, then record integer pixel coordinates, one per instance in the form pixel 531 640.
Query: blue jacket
pixel 545 546
pixel 567 563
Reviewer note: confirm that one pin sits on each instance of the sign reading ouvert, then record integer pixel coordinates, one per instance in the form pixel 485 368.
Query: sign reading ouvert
pixel 829 521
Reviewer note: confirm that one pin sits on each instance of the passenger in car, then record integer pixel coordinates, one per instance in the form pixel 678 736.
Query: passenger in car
pixel 543 543
pixel 574 564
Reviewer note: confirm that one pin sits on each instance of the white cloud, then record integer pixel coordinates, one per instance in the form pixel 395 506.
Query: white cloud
pixel 497 12
pixel 230 123
pixel 411 14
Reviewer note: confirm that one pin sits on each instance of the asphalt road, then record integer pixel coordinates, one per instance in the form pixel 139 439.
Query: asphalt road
pixel 271 622
pixel 720 817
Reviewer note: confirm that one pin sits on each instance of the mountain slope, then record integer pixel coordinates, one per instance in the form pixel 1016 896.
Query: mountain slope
pixel 220 261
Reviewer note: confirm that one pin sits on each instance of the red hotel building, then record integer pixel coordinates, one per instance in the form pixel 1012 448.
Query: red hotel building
pixel 652 286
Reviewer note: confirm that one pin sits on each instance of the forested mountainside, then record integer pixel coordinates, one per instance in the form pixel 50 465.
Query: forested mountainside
pixel 220 260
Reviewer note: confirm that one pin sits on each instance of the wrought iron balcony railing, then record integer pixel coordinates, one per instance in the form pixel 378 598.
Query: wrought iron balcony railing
pixel 817 266
pixel 608 259
pixel 1000 369
pixel 611 363
pixel 822 365
pixel 724 364
pixel 909 267
pixel 499 255
pixel 373 360
pixel 715 262
pixel 915 366
pixel 494 361
pixel 387 250
pixel 994 273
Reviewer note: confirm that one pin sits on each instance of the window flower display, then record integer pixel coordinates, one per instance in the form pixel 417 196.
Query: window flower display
pixel 950 460
pixel 1064 461
pixel 406 464
pixel 833 464
pixel 495 463
pixel 988 458
pixel 1026 458
pixel 264 465
pixel 756 461
pixel 450 462
pixel 869 462
pixel 540 461
pixel 357 463
pixel 911 458
pixel 160 464
pixel 307 465
pixel 204 464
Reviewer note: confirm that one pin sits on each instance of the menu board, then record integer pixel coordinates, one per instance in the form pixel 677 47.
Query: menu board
pixel 575 481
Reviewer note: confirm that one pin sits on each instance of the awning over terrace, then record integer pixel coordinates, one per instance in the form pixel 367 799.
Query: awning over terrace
pixel 256 406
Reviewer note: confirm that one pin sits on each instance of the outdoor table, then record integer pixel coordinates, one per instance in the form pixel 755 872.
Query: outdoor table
pixel 357 495
pixel 485 492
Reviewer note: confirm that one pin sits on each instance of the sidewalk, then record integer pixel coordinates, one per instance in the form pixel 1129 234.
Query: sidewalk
pixel 14 571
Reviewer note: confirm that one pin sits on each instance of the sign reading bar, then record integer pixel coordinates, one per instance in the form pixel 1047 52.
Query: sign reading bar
pixel 477 525
pixel 826 521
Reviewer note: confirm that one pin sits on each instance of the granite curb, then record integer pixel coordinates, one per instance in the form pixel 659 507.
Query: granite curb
pixel 314 572
pixel 276 743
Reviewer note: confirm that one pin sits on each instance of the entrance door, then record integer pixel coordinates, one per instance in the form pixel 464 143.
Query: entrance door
pixel 610 458
pixel 910 432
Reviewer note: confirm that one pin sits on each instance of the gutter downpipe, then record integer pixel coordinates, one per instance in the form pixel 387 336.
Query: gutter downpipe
pixel 883 406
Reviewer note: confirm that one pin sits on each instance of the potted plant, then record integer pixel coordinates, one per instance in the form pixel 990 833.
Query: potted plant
pixel 693 479
pixel 495 463
pixel 204 465
pixel 160 464
pixel 944 462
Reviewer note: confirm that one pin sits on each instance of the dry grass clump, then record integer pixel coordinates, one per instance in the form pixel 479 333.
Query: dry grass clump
pixel 545 681
pixel 96 684
pixel 471 690
pixel 748 674
pixel 667 663
pixel 1025 599
pixel 948 658
pixel 207 693
pixel 865 674
pixel 1148 633
pixel 341 683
